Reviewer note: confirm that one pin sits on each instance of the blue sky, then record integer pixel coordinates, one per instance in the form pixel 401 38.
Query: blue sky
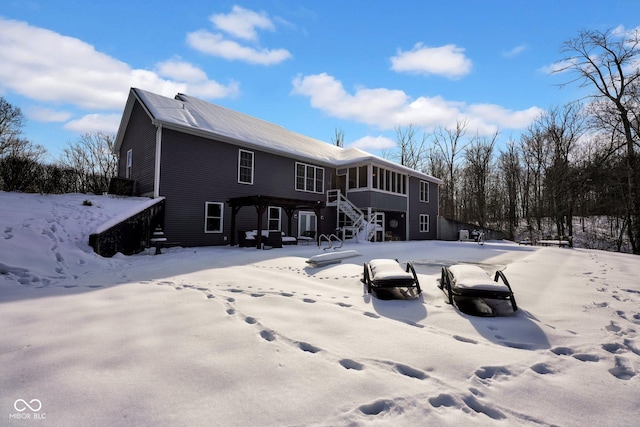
pixel 364 67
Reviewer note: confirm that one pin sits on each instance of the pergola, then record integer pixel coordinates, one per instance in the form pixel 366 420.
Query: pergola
pixel 261 203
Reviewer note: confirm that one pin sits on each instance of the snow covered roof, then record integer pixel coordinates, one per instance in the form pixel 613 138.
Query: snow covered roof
pixel 194 115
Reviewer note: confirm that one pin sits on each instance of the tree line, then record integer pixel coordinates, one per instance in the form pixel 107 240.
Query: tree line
pixel 575 160
pixel 85 166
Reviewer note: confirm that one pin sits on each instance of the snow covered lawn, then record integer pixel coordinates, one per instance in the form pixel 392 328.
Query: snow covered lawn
pixel 239 336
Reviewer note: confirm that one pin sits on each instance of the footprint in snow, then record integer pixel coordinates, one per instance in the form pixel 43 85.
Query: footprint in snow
pixel 562 351
pixel 482 408
pixel 584 357
pixel 492 372
pixel 465 339
pixel 613 348
pixel 377 407
pixel 412 323
pixel 268 335
pixel 542 368
pixel 410 372
pixel 623 369
pixel 351 364
pixel 308 347
pixel 443 399
pixel 612 327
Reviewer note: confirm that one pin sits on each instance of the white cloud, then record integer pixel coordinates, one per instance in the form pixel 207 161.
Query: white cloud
pixel 619 31
pixel 515 51
pixel 46 66
pixel 373 143
pixel 179 70
pixel 370 106
pixel 42 114
pixel 242 23
pixel 387 108
pixel 216 45
pixel 95 123
pixel 448 61
pixel 559 66
pixel 196 80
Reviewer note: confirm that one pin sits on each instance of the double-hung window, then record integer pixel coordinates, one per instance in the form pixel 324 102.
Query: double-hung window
pixel 275 218
pixel 309 178
pixel 213 215
pixel 424 223
pixel 424 191
pixel 245 167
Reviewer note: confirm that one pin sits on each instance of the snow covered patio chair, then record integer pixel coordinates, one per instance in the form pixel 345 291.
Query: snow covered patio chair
pixel 471 289
pixel 388 275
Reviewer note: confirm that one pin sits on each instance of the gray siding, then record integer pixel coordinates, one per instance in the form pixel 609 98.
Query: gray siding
pixel 140 136
pixel 416 207
pixel 196 170
pixel 378 200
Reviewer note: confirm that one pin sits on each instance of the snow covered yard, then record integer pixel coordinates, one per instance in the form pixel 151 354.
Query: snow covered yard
pixel 239 336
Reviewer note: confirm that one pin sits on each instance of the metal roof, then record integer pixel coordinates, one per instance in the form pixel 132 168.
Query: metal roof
pixel 193 115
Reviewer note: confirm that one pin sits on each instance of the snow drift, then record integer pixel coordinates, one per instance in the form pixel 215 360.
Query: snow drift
pixel 239 336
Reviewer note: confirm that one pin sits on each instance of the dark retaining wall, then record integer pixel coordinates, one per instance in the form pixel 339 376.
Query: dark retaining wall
pixel 131 235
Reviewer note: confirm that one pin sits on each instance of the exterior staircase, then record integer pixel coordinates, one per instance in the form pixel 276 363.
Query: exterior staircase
pixel 358 226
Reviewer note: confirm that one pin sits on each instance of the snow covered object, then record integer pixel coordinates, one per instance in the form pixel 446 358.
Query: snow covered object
pixel 471 289
pixel 387 274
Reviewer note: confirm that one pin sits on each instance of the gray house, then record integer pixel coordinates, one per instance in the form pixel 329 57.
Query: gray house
pixel 223 173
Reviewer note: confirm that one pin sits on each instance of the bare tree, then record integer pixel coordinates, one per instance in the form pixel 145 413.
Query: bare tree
pixel 338 138
pixel 94 161
pixel 412 148
pixel 434 164
pixel 479 155
pixel 562 128
pixel 449 142
pixel 11 122
pixel 19 165
pixel 607 62
pixel 535 154
pixel 511 169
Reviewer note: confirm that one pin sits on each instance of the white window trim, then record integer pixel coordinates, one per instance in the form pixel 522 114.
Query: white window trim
pixel 270 218
pixel 240 151
pixel 424 184
pixel 206 206
pixel 421 222
pixel 315 174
